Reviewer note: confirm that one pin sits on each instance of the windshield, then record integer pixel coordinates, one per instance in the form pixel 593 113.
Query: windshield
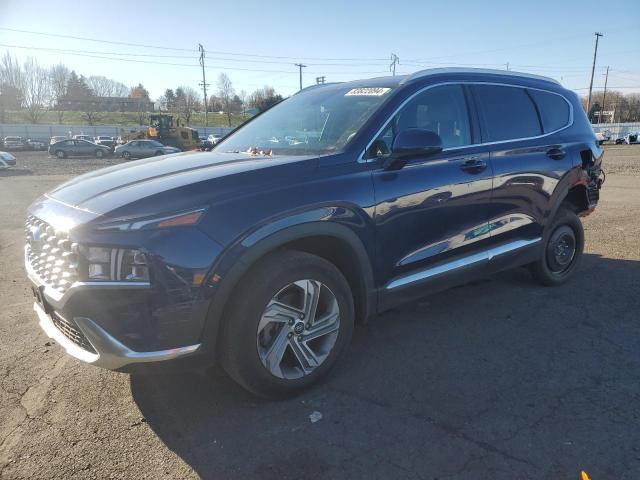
pixel 153 143
pixel 320 121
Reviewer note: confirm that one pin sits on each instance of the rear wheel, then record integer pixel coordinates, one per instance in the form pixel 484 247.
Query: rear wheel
pixel 61 154
pixel 287 323
pixel 563 247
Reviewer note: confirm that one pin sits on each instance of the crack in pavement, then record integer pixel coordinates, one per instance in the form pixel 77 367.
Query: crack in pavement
pixel 446 428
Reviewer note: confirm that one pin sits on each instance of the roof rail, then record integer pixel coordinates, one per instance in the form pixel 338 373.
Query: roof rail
pixel 435 71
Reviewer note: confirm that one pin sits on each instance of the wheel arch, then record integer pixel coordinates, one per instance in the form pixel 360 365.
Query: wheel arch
pixel 571 191
pixel 332 241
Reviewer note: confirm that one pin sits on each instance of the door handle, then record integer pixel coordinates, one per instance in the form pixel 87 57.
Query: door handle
pixel 556 154
pixel 473 165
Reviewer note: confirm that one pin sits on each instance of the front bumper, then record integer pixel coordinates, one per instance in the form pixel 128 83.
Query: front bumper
pixel 107 352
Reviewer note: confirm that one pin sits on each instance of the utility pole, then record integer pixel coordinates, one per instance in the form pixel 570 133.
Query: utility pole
pixel 593 68
pixel 320 80
pixel 507 64
pixel 394 61
pixel 204 85
pixel 300 66
pixel 604 96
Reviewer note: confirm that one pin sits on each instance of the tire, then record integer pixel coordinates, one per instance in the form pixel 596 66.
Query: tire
pixel 249 336
pixel 99 154
pixel 60 154
pixel 563 245
pixel 126 155
pixel 158 153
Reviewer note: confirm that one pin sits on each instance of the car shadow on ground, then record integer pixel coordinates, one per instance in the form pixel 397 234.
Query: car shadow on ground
pixel 501 376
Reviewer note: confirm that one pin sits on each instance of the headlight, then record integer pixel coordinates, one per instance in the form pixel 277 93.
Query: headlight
pixel 180 219
pixel 114 264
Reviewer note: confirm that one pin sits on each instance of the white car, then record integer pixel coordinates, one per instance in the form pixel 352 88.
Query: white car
pixel 214 138
pixel 7 160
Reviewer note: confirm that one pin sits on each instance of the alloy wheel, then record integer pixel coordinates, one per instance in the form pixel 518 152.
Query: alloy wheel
pixel 298 329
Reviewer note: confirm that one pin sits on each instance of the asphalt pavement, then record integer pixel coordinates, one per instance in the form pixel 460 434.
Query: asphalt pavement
pixel 498 379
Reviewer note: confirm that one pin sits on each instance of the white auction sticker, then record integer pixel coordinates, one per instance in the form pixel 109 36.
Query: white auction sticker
pixel 367 91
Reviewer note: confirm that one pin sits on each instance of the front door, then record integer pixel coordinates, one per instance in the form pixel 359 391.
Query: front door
pixel 431 215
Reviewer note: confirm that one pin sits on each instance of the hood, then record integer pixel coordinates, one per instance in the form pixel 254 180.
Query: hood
pixel 108 189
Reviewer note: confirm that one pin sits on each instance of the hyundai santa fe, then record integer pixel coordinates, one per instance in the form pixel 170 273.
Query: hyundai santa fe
pixel 338 203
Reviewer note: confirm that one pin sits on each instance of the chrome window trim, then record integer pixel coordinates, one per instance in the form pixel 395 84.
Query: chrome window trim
pixel 361 158
pixel 486 255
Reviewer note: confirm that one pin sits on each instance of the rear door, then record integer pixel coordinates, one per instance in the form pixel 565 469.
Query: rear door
pixel 432 215
pixel 528 160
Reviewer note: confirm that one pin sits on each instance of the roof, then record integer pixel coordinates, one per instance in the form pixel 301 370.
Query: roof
pixel 487 71
pixel 398 80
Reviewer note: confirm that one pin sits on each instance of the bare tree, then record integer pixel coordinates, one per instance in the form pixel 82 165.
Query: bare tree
pixel 10 71
pixel 36 89
pixel 226 94
pixel 11 95
pixel 106 87
pixel 187 102
pixel 58 77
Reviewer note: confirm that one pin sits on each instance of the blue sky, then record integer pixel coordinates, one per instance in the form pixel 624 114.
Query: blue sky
pixel 257 42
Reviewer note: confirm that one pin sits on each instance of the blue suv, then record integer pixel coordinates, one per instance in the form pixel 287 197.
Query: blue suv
pixel 336 204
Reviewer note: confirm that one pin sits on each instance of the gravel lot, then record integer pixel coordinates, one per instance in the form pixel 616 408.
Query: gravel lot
pixel 496 379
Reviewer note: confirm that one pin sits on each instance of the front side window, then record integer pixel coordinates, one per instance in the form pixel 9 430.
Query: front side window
pixel 319 121
pixel 442 110
pixel 508 112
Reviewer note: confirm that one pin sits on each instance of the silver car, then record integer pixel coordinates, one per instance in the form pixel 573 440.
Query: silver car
pixel 143 149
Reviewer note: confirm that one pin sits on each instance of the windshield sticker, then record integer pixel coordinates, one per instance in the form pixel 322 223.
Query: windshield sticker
pixel 367 91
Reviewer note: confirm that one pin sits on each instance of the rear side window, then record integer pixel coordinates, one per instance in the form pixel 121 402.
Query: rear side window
pixel 508 112
pixel 553 108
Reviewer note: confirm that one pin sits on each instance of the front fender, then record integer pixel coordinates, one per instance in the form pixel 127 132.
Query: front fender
pixel 346 223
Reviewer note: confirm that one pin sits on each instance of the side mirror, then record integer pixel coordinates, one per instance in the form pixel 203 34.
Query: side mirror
pixel 413 142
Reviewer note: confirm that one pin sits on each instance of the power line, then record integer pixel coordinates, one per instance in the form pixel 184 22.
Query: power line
pixel 73 37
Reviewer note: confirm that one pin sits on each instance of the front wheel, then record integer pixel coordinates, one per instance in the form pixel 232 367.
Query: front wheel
pixel 562 251
pixel 60 154
pixel 99 154
pixel 126 155
pixel 287 323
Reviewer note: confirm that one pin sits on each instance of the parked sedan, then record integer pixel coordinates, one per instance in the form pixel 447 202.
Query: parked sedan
pixel 143 149
pixel 78 148
pixel 14 143
pixel 7 160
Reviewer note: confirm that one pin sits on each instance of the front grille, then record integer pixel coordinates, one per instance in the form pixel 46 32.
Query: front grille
pixel 72 332
pixel 51 255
